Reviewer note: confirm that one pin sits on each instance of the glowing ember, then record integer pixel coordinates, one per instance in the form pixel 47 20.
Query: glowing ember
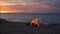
pixel 35 22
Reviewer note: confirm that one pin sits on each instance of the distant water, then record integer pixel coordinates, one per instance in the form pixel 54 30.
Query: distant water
pixel 44 18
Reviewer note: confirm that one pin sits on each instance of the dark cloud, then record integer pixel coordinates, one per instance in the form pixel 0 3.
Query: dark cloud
pixel 20 7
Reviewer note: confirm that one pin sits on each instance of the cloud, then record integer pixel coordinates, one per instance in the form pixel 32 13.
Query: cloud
pixel 28 8
pixel 35 6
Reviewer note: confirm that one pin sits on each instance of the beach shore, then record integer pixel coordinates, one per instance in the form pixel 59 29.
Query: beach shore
pixel 8 27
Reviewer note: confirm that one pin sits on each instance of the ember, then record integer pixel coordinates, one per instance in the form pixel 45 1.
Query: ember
pixel 35 22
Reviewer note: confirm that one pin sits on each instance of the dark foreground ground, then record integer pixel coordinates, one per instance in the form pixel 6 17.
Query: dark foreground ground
pixel 7 27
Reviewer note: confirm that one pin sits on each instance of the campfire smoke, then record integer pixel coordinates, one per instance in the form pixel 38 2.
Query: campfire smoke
pixel 35 22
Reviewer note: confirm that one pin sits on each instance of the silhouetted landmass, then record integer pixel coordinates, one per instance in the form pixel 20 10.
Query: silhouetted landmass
pixel 3 21
pixel 35 13
pixel 8 27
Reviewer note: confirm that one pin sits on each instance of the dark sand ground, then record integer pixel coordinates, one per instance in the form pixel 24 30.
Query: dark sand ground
pixel 7 27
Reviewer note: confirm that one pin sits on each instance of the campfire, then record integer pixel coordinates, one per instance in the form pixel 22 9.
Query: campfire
pixel 35 22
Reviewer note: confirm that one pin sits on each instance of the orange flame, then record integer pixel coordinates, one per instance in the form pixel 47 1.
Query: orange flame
pixel 35 22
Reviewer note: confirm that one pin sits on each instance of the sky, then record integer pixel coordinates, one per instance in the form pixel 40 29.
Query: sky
pixel 29 6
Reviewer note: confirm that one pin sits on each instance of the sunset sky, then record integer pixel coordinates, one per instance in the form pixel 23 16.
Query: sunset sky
pixel 29 6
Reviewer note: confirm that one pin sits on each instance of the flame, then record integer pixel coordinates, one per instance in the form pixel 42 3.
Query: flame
pixel 35 22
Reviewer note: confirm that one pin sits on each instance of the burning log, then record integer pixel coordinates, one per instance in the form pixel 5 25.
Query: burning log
pixel 35 22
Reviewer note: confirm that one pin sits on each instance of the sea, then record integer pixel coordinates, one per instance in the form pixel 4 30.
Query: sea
pixel 28 17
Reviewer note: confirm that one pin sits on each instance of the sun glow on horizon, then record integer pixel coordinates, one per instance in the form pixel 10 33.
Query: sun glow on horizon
pixel 3 11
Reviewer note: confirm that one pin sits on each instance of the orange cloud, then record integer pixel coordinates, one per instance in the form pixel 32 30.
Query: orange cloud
pixel 25 8
pixel 5 7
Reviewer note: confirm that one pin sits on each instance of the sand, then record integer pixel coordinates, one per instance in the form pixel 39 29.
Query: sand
pixel 7 27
